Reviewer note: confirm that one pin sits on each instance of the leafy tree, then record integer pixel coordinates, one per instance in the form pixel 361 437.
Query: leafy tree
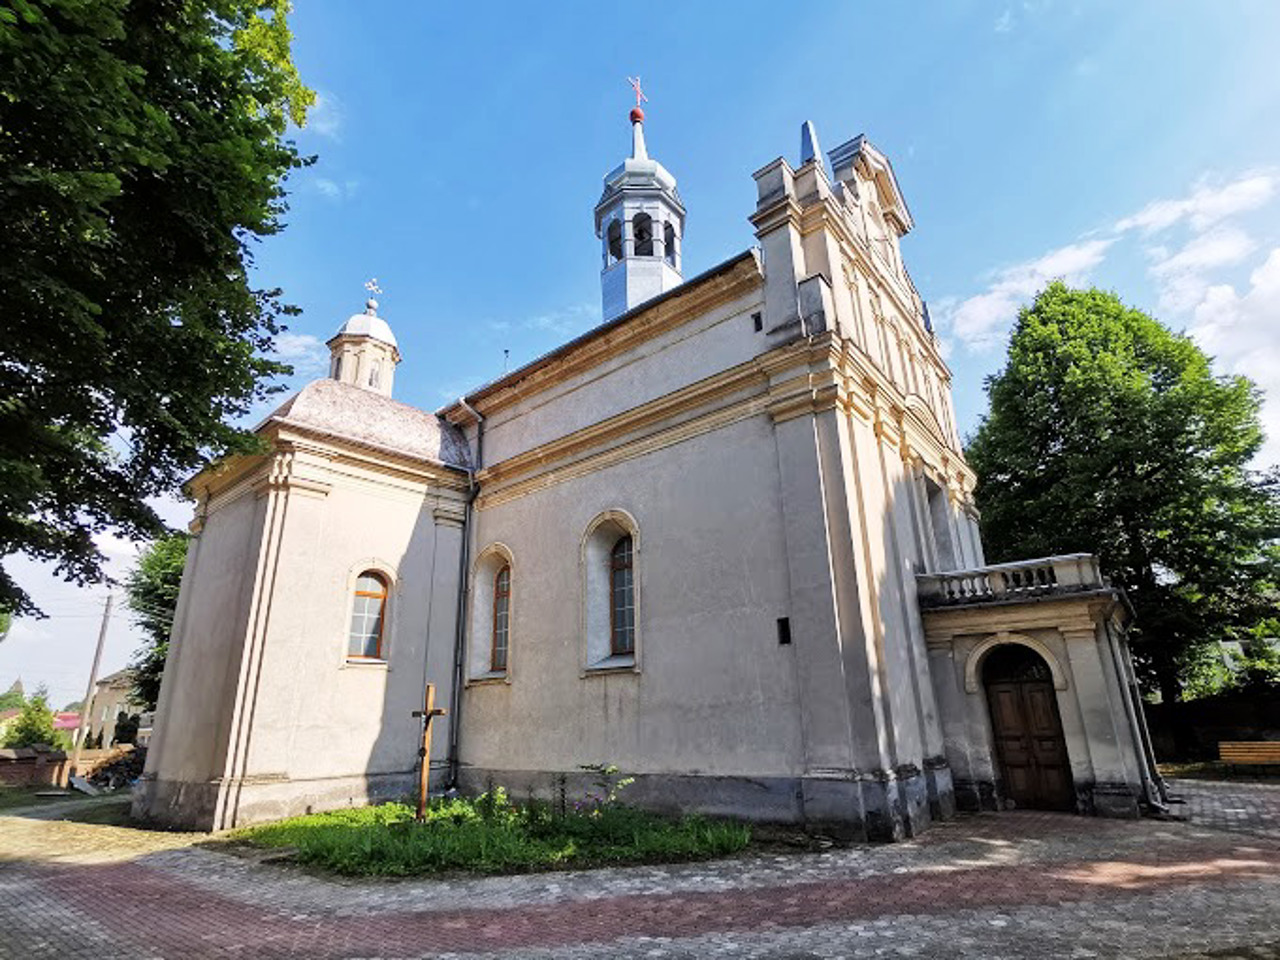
pixel 151 592
pixel 35 723
pixel 142 152
pixel 1107 433
pixel 13 698
pixel 126 729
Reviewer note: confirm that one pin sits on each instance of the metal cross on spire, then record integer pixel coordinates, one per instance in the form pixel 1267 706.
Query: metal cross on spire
pixel 635 85
pixel 371 305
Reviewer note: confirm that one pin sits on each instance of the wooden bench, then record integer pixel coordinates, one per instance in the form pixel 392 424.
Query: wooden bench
pixel 1249 752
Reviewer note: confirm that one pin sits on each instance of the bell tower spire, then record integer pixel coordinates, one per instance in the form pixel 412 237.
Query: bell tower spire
pixel 640 222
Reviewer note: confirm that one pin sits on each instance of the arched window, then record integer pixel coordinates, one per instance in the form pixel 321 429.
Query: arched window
pixel 337 366
pixel 368 617
pixel 669 244
pixel 375 373
pixel 622 600
pixel 642 233
pixel 501 619
pixel 614 235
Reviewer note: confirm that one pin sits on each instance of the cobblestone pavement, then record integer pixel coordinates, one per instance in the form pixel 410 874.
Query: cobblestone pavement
pixel 1019 884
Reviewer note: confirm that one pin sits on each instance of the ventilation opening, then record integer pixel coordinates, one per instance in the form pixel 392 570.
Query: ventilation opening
pixel 757 322
pixel 669 244
pixel 784 631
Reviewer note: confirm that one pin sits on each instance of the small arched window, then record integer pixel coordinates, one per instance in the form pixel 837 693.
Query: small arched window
pixel 622 600
pixel 501 619
pixel 337 366
pixel 368 617
pixel 669 244
pixel 642 233
pixel 614 235
pixel 375 374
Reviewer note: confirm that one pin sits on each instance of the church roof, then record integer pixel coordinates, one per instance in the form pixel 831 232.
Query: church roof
pixel 346 412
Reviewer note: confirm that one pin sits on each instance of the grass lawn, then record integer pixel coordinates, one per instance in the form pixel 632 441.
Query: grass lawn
pixel 1217 770
pixel 22 796
pixel 492 835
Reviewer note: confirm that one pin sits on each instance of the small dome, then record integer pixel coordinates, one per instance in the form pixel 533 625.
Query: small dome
pixel 368 325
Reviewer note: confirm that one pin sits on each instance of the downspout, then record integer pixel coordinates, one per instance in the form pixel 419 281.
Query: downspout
pixel 460 612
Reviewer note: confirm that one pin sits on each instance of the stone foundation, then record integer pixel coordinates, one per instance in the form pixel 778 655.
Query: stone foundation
pixel 880 807
pixel 190 805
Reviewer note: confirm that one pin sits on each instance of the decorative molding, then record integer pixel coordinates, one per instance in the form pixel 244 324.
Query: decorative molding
pixel 979 653
pixel 449 515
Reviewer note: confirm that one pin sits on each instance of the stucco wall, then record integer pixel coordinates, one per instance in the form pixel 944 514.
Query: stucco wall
pixel 202 672
pixel 714 692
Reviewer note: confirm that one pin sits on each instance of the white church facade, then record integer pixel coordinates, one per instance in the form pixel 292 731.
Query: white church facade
pixel 725 540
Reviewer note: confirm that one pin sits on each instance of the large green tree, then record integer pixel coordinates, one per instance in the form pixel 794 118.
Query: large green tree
pixel 1108 433
pixel 142 153
pixel 151 591
pixel 34 725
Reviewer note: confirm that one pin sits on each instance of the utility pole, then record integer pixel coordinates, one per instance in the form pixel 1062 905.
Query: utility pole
pixel 81 733
pixel 424 752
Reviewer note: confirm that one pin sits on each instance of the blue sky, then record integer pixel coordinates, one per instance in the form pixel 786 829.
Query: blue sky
pixel 461 152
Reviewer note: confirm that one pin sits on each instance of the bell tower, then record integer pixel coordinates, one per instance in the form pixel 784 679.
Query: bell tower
pixel 364 352
pixel 640 223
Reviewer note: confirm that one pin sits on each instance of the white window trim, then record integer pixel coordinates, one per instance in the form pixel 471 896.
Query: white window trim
pixel 480 632
pixel 388 626
pixel 610 663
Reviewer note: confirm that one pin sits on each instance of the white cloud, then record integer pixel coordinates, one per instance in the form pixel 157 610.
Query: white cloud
pixel 1181 278
pixel 1206 205
pixel 337 190
pixel 326 116
pixel 566 322
pixel 305 353
pixel 981 321
pixel 1242 332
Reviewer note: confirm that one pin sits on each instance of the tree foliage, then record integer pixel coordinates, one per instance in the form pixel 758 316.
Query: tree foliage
pixel 151 592
pixel 12 699
pixel 1107 433
pixel 142 152
pixel 34 725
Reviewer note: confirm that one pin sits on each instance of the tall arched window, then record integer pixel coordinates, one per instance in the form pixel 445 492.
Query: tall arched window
pixel 375 374
pixel 642 233
pixel 614 235
pixel 501 619
pixel 622 602
pixel 368 617
pixel 669 244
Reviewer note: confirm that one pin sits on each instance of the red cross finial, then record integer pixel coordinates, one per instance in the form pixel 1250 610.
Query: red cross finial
pixel 637 115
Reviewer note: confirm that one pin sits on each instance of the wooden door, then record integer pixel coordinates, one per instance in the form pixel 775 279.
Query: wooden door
pixel 1027 730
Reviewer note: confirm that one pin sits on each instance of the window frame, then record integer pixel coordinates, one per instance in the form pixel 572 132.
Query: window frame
pixel 617 565
pixel 598 652
pixel 384 596
pixel 503 595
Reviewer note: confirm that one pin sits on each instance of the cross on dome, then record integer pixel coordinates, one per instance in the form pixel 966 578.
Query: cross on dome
pixel 371 305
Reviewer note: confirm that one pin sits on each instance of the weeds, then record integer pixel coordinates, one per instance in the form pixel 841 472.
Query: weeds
pixel 490 834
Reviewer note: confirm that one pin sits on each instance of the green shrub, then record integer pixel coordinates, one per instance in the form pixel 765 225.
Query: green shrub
pixel 492 835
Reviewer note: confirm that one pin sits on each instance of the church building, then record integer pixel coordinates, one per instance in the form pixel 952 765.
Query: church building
pixel 725 540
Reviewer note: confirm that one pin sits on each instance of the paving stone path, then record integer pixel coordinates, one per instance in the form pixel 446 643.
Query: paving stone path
pixel 1017 884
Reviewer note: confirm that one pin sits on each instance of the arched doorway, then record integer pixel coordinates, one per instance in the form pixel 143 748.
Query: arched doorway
pixel 1027 730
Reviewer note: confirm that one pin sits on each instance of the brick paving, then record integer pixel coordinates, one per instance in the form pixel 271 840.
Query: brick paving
pixel 1020 884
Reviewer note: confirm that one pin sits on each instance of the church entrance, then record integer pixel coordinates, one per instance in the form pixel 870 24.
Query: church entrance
pixel 1027 730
